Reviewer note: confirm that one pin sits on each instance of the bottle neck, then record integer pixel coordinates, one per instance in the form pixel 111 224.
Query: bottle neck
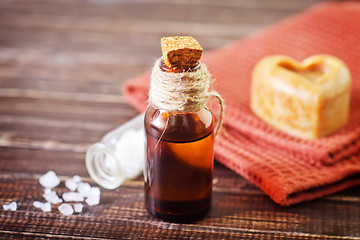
pixel 165 68
pixel 182 91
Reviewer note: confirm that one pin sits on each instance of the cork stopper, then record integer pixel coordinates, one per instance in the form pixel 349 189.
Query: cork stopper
pixel 180 51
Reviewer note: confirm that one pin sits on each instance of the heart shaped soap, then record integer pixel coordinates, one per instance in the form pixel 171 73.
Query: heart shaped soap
pixel 307 100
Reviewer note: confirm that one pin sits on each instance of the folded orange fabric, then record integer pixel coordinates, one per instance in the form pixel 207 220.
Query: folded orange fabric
pixel 288 169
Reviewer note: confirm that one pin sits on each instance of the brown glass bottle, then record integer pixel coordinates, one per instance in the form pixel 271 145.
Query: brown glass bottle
pixel 179 164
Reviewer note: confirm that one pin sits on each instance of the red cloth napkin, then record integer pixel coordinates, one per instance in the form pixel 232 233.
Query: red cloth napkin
pixel 288 169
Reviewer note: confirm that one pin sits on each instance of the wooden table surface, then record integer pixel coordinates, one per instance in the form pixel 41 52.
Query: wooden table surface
pixel 62 64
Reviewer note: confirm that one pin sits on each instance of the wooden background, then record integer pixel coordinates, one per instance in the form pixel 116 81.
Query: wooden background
pixel 62 64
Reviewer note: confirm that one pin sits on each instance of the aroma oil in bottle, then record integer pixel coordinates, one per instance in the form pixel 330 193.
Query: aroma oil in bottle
pixel 179 134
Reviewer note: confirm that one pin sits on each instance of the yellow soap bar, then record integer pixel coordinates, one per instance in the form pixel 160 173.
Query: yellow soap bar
pixel 308 99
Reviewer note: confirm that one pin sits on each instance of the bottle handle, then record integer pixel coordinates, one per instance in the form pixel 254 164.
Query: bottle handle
pixel 219 124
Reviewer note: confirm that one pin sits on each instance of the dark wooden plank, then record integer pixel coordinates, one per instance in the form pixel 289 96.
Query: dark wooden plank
pixel 101 112
pixel 196 11
pixel 232 216
pixel 70 66
pixel 72 24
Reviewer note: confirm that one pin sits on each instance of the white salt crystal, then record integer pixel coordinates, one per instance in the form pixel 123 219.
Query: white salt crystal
pixel 72 197
pixel 94 196
pixel 47 191
pixel 76 178
pixel 71 184
pixel 78 207
pixel 49 180
pixel 37 204
pixel 95 191
pixel 93 200
pixel 6 207
pixel 52 197
pixel 46 207
pixel 66 209
pixel 12 206
pixel 84 189
pixel 131 151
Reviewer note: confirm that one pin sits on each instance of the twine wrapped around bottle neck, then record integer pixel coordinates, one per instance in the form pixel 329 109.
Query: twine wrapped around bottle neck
pixel 183 92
